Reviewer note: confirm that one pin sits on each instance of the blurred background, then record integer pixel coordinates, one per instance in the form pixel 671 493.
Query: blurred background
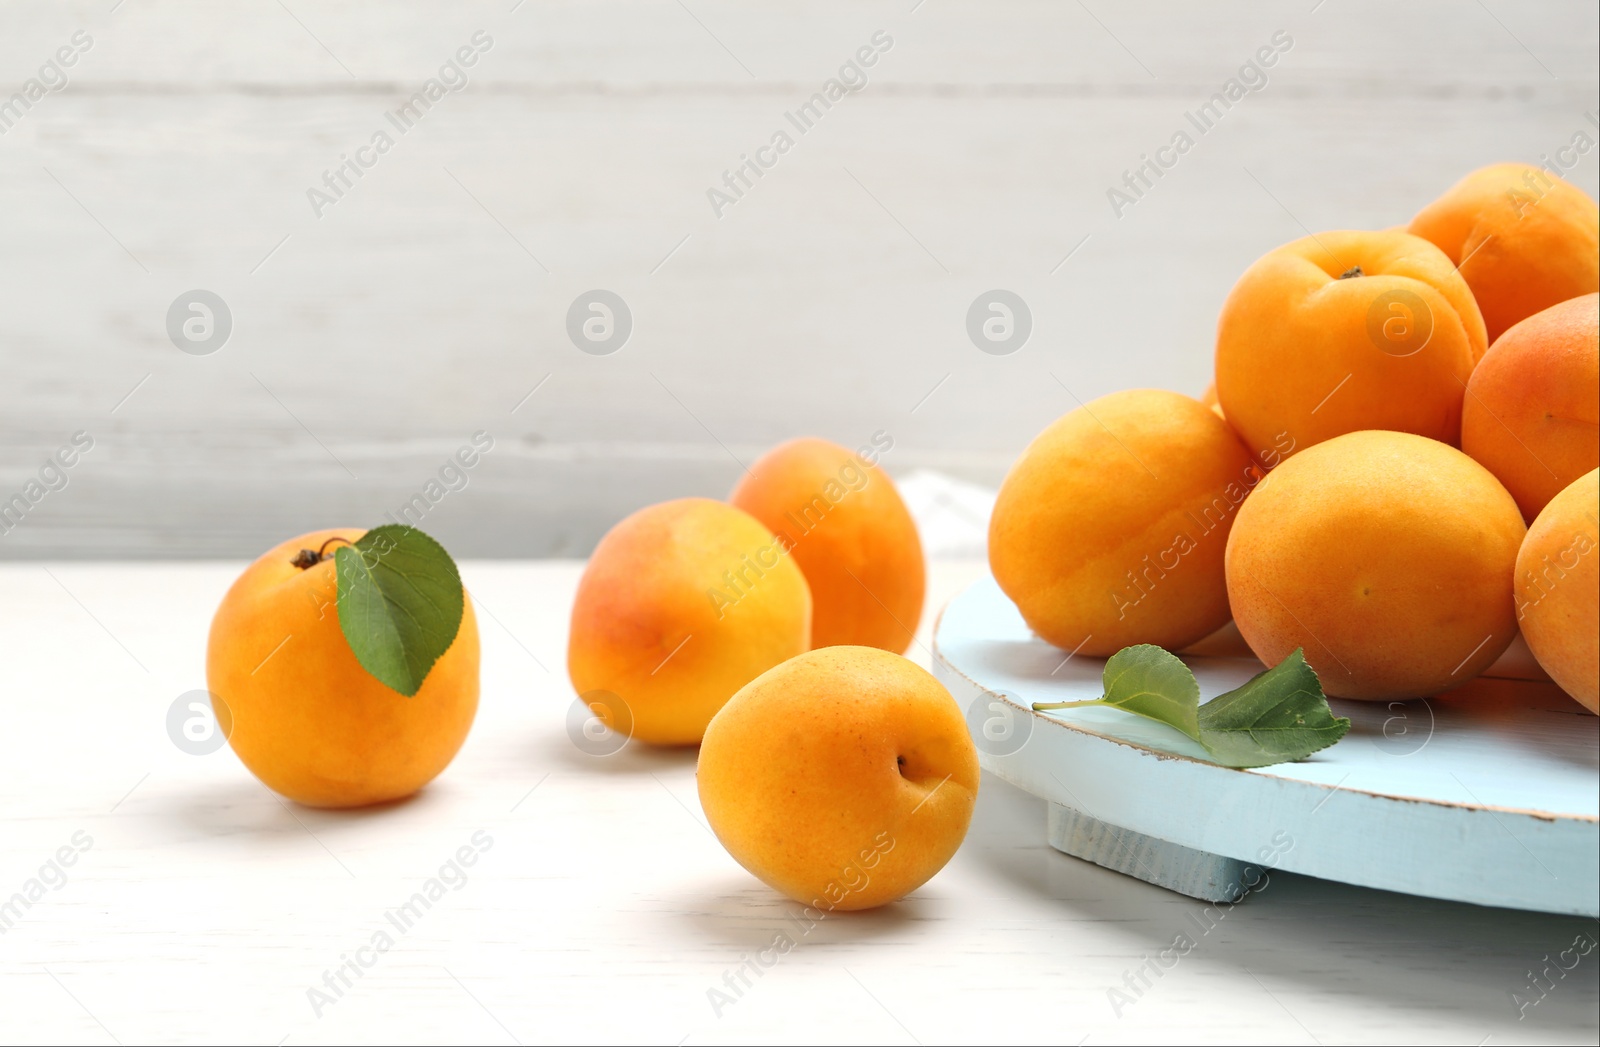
pixel 398 211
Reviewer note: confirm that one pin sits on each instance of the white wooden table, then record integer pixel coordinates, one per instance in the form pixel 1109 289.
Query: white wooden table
pixel 203 909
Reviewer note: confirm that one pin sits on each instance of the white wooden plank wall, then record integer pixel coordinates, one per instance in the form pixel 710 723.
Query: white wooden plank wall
pixel 368 344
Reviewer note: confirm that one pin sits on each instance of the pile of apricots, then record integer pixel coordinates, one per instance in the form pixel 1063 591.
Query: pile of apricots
pixel 1394 470
pixel 770 629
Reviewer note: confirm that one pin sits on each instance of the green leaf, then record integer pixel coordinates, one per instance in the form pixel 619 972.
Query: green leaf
pixel 1278 716
pixel 400 603
pixel 1146 680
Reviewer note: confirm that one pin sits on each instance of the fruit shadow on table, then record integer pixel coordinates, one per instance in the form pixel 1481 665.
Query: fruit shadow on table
pixel 556 754
pixel 245 807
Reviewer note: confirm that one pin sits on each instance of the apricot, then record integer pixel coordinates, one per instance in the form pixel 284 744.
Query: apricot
pixel 1110 529
pixel 841 519
pixel 1209 398
pixel 1524 240
pixel 681 604
pixel 1532 413
pixel 1558 590
pixel 1345 331
pixel 844 778
pixel 307 719
pixel 1386 556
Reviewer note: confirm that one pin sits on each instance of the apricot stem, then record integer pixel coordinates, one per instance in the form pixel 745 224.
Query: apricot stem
pixel 1043 706
pixel 1348 273
pixel 307 558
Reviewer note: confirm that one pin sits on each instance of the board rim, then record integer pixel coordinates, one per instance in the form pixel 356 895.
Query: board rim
pixel 1564 838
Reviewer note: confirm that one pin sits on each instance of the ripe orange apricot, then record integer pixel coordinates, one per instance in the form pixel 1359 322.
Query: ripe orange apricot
pixel 1345 331
pixel 308 720
pixel 1387 556
pixel 681 604
pixel 1110 529
pixel 1558 590
pixel 1532 413
pixel 1209 398
pixel 1524 240
pixel 843 522
pixel 844 778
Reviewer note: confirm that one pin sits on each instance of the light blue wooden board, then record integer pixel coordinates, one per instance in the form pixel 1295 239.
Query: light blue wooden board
pixel 1488 794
